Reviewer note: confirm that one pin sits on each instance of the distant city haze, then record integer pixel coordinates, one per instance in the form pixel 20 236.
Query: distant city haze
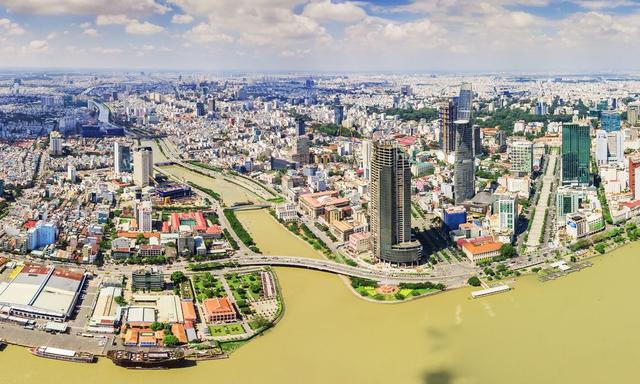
pixel 573 36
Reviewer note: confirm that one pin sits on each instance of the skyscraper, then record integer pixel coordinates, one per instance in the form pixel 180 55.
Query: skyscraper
pixel 633 112
pixel 55 143
pixel 390 207
pixel 447 113
pixel 367 149
pixel 610 121
pixel 465 102
pixel 121 158
pixel 464 171
pixel 338 114
pixel 145 223
pixel 576 154
pixel 301 150
pixel 142 166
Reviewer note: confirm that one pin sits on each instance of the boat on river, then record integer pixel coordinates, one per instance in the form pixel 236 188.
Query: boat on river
pixel 148 359
pixel 63 354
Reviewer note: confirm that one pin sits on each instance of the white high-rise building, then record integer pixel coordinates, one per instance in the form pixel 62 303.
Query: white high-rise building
pixel 71 173
pixel 142 166
pixel 144 217
pixel 55 143
pixel 615 147
pixel 367 149
pixel 521 156
pixel 602 150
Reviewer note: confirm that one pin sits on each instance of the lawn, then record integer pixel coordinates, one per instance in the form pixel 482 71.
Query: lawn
pixel 207 286
pixel 245 286
pixel 226 329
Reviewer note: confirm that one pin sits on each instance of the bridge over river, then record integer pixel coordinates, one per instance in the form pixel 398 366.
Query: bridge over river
pixel 385 276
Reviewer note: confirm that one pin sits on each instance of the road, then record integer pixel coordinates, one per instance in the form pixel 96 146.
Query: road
pixel 538 225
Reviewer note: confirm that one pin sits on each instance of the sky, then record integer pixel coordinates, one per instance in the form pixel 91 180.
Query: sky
pixel 560 36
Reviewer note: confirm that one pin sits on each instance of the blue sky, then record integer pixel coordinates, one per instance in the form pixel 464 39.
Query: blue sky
pixel 317 35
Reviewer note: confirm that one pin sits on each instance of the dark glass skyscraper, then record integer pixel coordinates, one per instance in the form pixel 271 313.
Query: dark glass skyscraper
pixel 447 112
pixel 610 121
pixel 338 114
pixel 465 102
pixel 576 154
pixel 390 207
pixel 464 172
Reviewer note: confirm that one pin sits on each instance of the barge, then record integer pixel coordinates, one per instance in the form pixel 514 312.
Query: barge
pixel 63 354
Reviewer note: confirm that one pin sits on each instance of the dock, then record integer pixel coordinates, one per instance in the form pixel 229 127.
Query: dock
pixel 563 268
pixel 490 291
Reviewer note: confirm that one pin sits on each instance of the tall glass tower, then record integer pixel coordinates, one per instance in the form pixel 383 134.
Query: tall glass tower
pixel 447 114
pixel 465 102
pixel 610 121
pixel 576 154
pixel 390 207
pixel 464 173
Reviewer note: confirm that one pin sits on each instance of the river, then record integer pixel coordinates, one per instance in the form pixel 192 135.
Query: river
pixel 581 328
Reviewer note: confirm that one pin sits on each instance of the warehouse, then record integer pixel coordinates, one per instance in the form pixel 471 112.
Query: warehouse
pixel 42 292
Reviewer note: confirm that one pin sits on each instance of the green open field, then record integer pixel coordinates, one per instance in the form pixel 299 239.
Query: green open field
pixel 226 329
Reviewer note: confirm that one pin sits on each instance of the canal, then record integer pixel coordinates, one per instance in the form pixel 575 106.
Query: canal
pixel 581 328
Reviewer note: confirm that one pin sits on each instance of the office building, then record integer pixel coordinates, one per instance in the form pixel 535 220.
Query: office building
pixel 464 169
pixel 142 166
pixel 465 102
pixel 521 157
pixel 301 145
pixel 542 108
pixel 634 164
pixel 150 279
pixel 72 174
pixel 615 149
pixel 447 113
pixel 338 114
pixel 576 154
pixel 610 121
pixel 505 207
pixel 633 113
pixel 145 223
pixel 200 109
pixel 602 147
pixel 367 149
pixel 390 206
pixel 1 188
pixel 55 143
pixel 121 158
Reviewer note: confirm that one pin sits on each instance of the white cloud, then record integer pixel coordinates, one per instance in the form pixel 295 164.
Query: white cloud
pixel 84 7
pixel 92 32
pixel 326 10
pixel 106 51
pixel 132 26
pixel 206 33
pixel 37 46
pixel 10 28
pixel 112 19
pixel 182 19
pixel 145 28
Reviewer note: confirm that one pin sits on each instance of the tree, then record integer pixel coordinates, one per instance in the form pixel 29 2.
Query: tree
pixel 170 341
pixel 600 248
pixel 474 281
pixel 507 251
pixel 177 277
pixel 156 326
